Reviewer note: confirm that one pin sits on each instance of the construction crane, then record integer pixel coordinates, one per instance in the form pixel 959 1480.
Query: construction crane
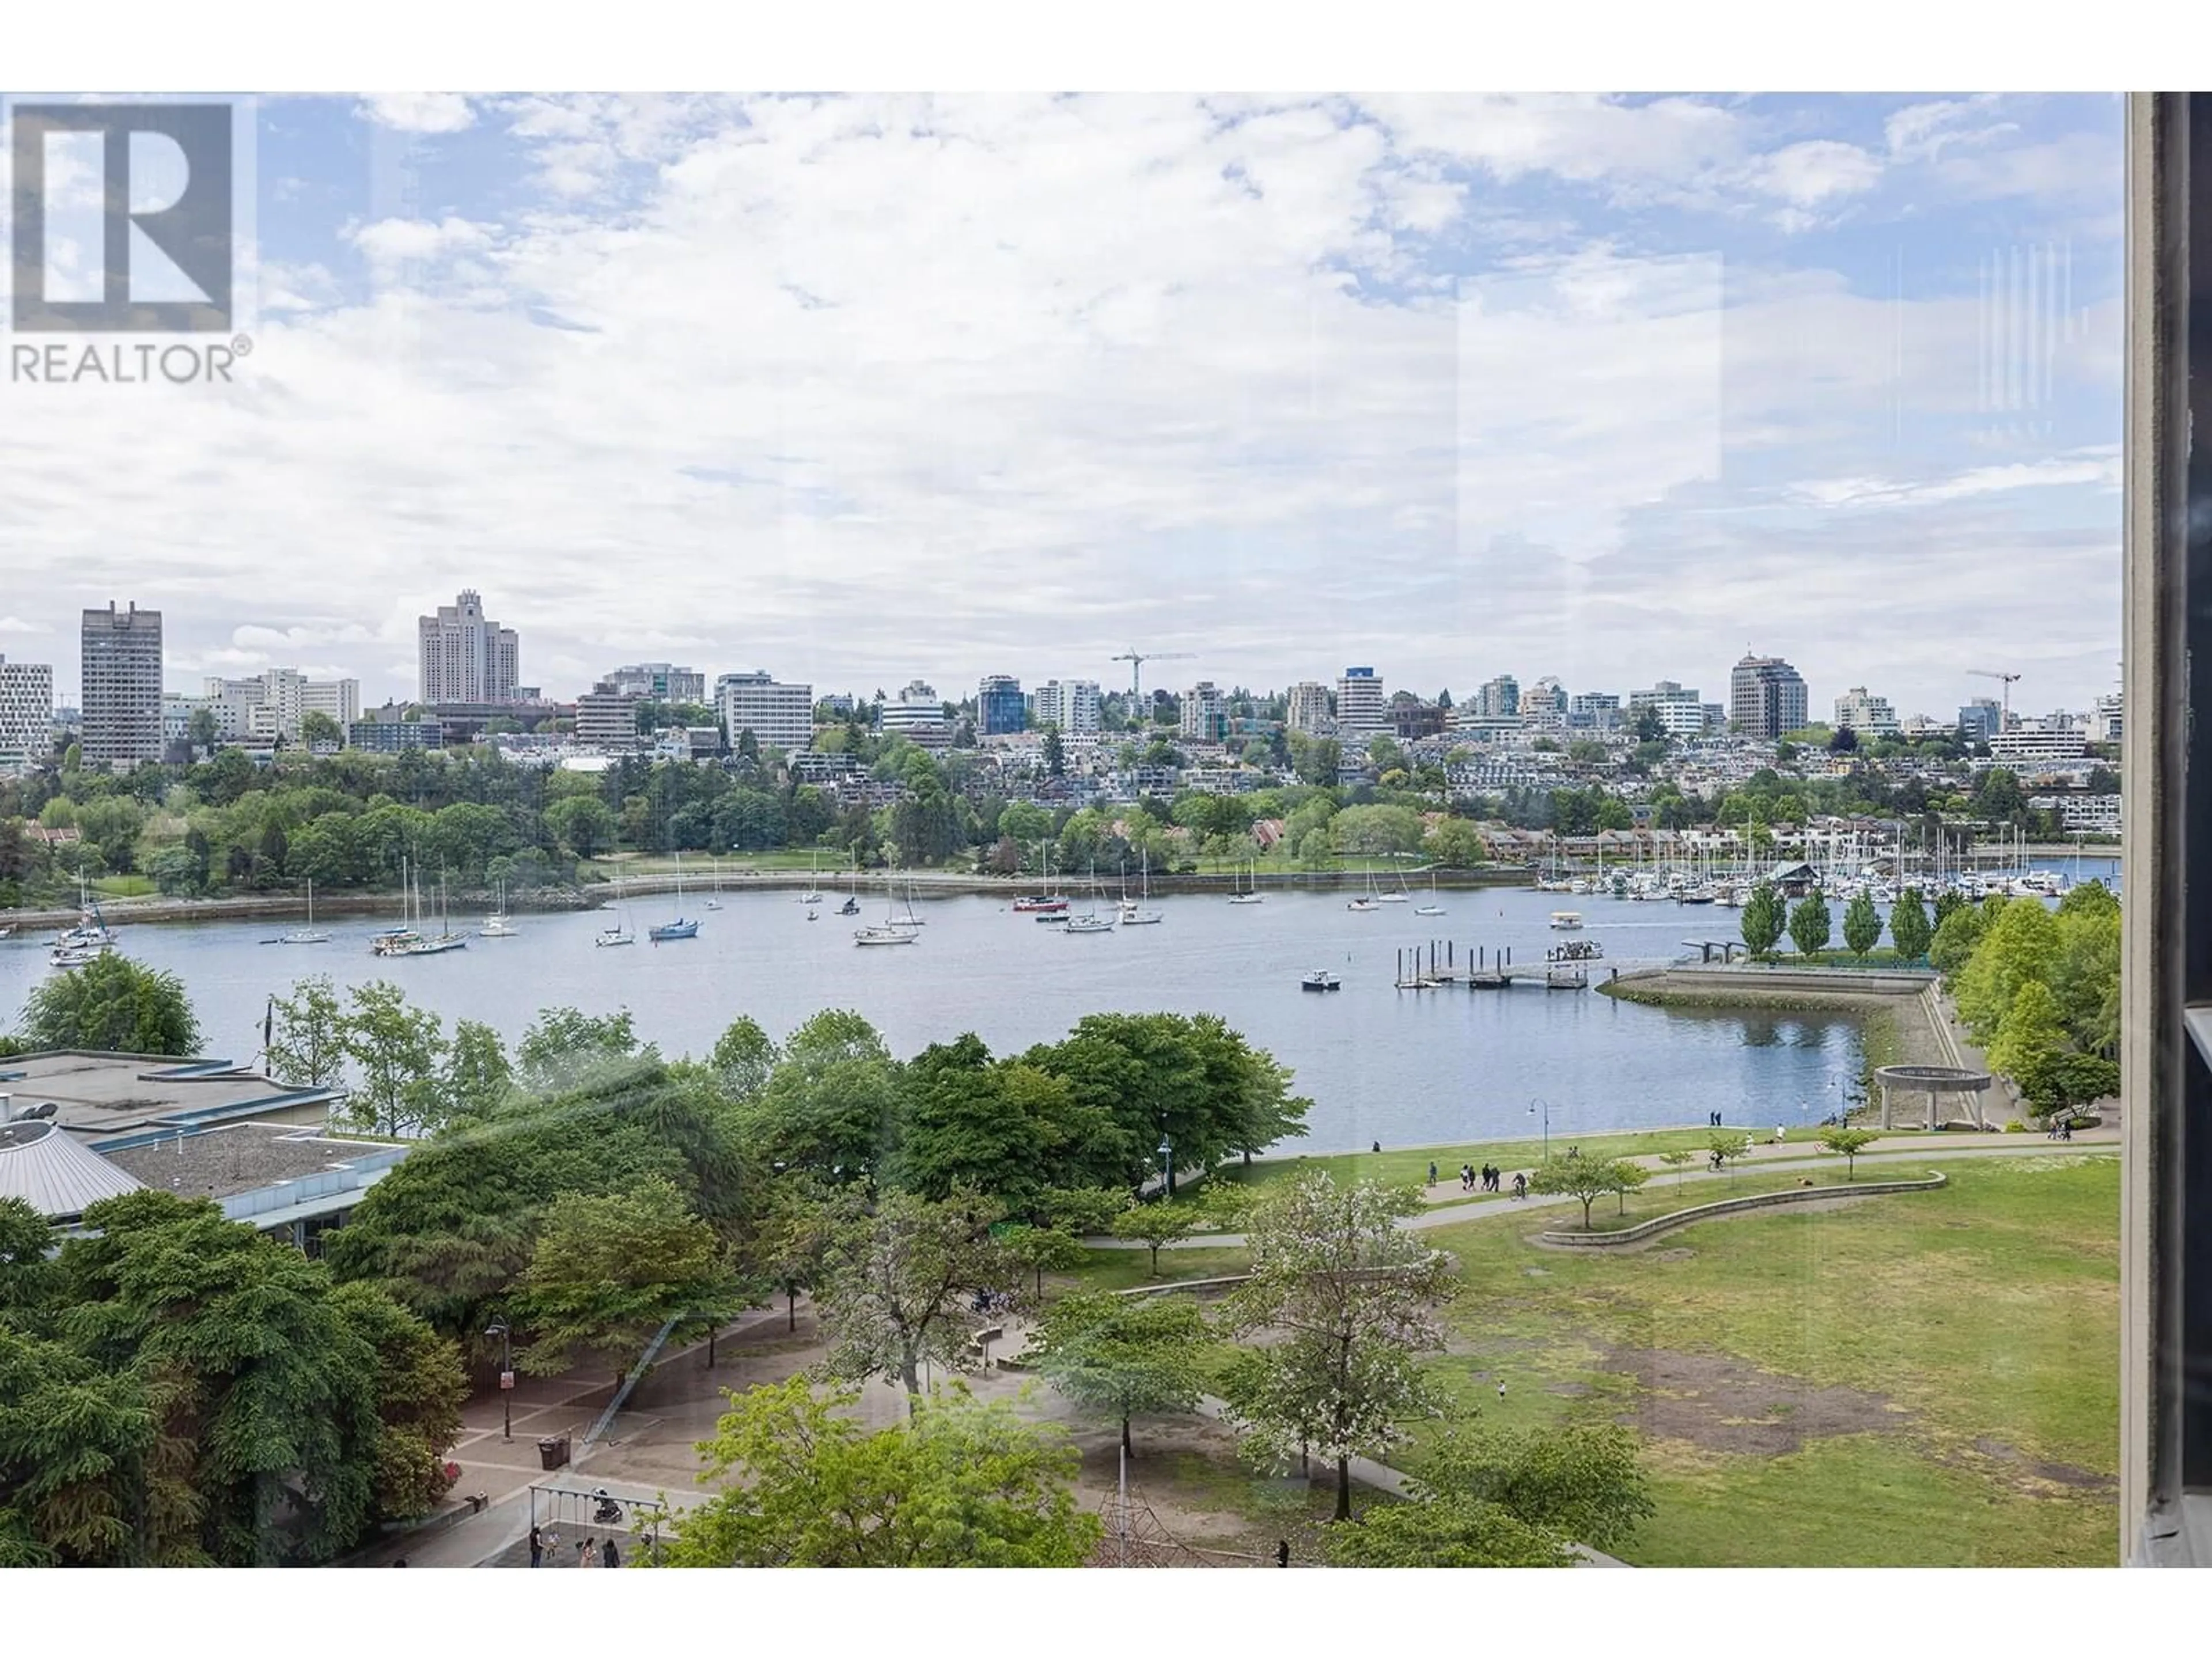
pixel 2004 722
pixel 1137 660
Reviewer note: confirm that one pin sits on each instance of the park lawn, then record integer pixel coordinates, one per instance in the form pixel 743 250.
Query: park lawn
pixel 1125 1270
pixel 1409 1165
pixel 124 886
pixel 1943 1362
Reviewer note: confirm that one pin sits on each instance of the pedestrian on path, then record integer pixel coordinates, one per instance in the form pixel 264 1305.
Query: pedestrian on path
pixel 584 1557
pixel 1282 1552
pixel 537 1546
pixel 1432 1172
pixel 1520 1185
pixel 608 1555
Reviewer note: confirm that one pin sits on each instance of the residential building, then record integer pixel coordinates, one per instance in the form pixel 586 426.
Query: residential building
pixel 658 682
pixel 1766 698
pixel 779 715
pixel 1073 706
pixel 26 713
pixel 1000 706
pixel 1980 718
pixel 388 736
pixel 1205 713
pixel 1411 719
pixel 122 655
pixel 1359 703
pixel 838 704
pixel 607 718
pixel 1545 705
pixel 2037 748
pixel 1499 698
pixel 2106 723
pixel 1680 710
pixel 1863 712
pixel 1593 711
pixel 1308 709
pixel 465 656
pixel 2082 813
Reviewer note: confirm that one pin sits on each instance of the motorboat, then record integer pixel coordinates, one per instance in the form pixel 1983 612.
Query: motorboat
pixel 1362 904
pixel 1090 922
pixel 1566 920
pixel 1320 981
pixel 883 935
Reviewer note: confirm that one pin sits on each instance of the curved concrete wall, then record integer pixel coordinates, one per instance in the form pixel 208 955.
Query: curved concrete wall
pixel 1658 1224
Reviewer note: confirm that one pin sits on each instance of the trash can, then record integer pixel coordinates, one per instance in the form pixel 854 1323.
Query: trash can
pixel 554 1452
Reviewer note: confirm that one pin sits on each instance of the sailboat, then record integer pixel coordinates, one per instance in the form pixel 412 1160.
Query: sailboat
pixel 1432 908
pixel 309 934
pixel 496 926
pixel 1090 921
pixel 1252 894
pixel 907 917
pixel 618 932
pixel 1369 900
pixel 1046 905
pixel 888 932
pixel 682 926
pixel 813 893
pixel 410 940
pixel 1130 915
pixel 851 907
pixel 715 898
pixel 1401 896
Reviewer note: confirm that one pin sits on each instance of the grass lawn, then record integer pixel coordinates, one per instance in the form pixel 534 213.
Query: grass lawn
pixel 1921 1380
pixel 1123 1270
pixel 1410 1165
pixel 124 887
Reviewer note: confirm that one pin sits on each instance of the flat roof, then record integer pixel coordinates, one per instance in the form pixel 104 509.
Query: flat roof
pixel 239 1158
pixel 101 1096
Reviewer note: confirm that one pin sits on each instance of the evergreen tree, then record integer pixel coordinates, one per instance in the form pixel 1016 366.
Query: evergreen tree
pixel 1809 925
pixel 1762 920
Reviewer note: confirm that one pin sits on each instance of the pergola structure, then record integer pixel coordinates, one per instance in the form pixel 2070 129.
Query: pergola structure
pixel 1934 1081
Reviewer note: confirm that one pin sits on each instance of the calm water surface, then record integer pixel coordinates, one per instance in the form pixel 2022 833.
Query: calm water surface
pixel 1380 1064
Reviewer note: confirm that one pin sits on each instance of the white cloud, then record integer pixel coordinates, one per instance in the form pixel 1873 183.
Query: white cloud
pixel 390 242
pixel 1809 173
pixel 12 624
pixel 2099 469
pixel 419 111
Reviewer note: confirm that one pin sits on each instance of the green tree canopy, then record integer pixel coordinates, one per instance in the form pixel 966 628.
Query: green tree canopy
pixel 898 1286
pixel 962 1485
pixel 1862 924
pixel 1764 916
pixel 113 1004
pixel 1123 1356
pixel 1910 930
pixel 1809 927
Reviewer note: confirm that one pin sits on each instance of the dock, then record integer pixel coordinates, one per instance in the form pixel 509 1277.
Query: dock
pixel 1440 963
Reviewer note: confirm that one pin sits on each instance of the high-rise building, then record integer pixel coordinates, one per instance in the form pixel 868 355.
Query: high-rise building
pixel 660 682
pixel 779 716
pixel 1680 711
pixel 917 714
pixel 2106 722
pixel 26 713
pixel 1498 699
pixel 1073 706
pixel 1205 713
pixel 1766 698
pixel 1593 711
pixel 122 653
pixel 1000 706
pixel 1981 719
pixel 465 656
pixel 1308 709
pixel 1359 703
pixel 607 718
pixel 1863 712
pixel 338 699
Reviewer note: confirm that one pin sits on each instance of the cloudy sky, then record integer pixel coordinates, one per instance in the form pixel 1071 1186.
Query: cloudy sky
pixel 860 390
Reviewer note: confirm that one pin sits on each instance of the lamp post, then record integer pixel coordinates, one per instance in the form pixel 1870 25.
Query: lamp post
pixel 1167 1168
pixel 1543 1106
pixel 498 1327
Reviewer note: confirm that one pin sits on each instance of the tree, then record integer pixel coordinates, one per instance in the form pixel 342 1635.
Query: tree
pixel 1005 1127
pixel 1678 1160
pixel 1956 935
pixel 963 1484
pixel 316 727
pixel 1762 920
pixel 1159 1224
pixel 477 1075
pixel 114 1005
pixel 1842 741
pixel 1584 1483
pixel 610 1270
pixel 567 1048
pixel 420 1389
pixel 1910 930
pixel 1809 923
pixel 397 1047
pixel 2030 1037
pixel 899 1286
pixel 2020 945
pixel 1726 1146
pixel 583 823
pixel 1849 1143
pixel 1353 1298
pixel 1862 924
pixel 1055 753
pixel 1123 1356
pixel 1585 1179
pixel 307 1040
pixel 200 729
pixel 745 1057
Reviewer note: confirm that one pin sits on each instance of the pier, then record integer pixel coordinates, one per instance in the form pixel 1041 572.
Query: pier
pixel 1440 963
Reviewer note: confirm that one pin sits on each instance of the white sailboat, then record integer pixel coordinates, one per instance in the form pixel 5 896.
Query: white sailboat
pixel 889 931
pixel 1252 894
pixel 309 934
pixel 813 893
pixel 683 927
pixel 1131 915
pixel 1090 921
pixel 1367 901
pixel 1432 908
pixel 496 926
pixel 715 898
pixel 619 932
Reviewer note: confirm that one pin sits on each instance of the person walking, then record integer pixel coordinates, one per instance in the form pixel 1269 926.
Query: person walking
pixel 608 1555
pixel 537 1546
pixel 584 1556
pixel 1520 1185
pixel 1432 1172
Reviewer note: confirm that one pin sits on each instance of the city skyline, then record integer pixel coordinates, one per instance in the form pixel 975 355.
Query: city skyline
pixel 1413 382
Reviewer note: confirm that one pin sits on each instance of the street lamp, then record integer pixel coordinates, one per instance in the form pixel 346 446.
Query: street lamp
pixel 1166 1167
pixel 1535 1107
pixel 498 1328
